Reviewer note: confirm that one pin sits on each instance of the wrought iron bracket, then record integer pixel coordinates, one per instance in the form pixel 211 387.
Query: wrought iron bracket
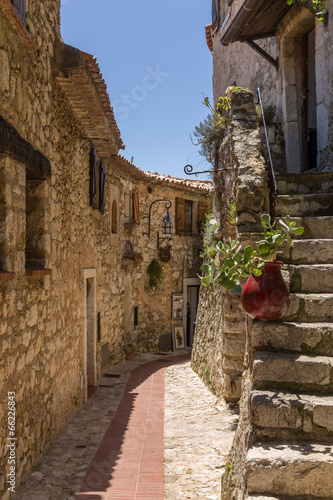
pixel 263 53
pixel 168 205
pixel 188 170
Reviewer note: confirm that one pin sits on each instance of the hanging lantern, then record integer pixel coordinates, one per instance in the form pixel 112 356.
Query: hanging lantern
pixel 167 225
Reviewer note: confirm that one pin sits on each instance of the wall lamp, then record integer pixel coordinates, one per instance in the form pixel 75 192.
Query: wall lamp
pixel 167 223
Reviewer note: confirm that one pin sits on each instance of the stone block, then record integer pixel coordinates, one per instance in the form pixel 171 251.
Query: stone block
pixel 232 365
pixel 323 414
pixel 292 368
pixel 4 71
pixel 315 278
pixel 276 409
pixel 299 470
pixel 231 387
pixel 316 338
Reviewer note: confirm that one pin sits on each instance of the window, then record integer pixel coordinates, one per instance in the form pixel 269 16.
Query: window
pixel 20 7
pixel 127 207
pixel 97 183
pixel 184 216
pixel 35 250
pixel 131 207
pixel 136 208
pixel 114 218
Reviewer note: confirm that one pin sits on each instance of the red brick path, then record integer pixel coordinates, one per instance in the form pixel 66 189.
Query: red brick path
pixel 129 462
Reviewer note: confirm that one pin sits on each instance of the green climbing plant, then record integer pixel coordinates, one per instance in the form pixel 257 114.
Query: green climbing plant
pixel 155 273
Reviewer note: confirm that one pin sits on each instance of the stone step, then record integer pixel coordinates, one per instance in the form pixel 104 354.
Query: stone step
pixel 290 470
pixel 305 183
pixel 307 338
pixel 308 251
pixel 310 308
pixel 301 205
pixel 286 416
pixel 293 372
pixel 314 227
pixel 260 497
pixel 315 278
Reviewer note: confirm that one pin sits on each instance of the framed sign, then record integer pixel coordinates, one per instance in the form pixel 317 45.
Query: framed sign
pixel 177 306
pixel 178 337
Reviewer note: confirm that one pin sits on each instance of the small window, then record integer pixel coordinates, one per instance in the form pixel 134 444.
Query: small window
pixel 114 218
pixel 127 207
pixel 35 251
pixel 188 217
pixel 136 208
pixel 183 216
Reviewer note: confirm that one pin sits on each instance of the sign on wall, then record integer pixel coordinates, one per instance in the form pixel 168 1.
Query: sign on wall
pixel 177 306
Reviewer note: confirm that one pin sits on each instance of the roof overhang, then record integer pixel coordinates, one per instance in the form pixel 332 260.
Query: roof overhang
pixel 256 19
pixel 79 76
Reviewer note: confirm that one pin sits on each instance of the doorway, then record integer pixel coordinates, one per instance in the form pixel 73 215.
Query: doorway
pixel 191 287
pixel 90 332
pixel 309 111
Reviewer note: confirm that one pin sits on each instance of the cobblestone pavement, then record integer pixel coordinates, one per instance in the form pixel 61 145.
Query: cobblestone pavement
pixel 198 435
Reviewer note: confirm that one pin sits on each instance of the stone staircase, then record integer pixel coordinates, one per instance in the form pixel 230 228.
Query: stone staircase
pixel 291 402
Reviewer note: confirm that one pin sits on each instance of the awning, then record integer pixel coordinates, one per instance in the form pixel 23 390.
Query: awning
pixel 256 19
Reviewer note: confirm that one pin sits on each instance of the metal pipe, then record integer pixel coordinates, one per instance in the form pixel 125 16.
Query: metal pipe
pixel 238 21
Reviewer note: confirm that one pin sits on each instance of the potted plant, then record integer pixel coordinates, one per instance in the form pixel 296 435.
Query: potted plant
pixel 265 294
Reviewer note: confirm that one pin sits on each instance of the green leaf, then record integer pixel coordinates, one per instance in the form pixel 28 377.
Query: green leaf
pixel 257 272
pixel 264 247
pixel 248 253
pixel 227 283
pixel 206 281
pixel 298 230
pixel 205 268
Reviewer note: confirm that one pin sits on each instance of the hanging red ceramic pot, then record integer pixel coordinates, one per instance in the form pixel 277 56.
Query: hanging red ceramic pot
pixel 266 297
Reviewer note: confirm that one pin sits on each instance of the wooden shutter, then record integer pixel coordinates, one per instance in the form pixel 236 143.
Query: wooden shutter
pixel 203 210
pixel 93 179
pixel 136 207
pixel 101 188
pixel 180 216
pixel 114 218
pixel 127 206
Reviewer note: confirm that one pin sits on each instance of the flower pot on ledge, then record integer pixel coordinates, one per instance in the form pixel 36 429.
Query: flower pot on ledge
pixel 266 297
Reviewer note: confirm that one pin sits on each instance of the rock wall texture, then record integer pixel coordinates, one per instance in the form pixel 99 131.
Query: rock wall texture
pixel 71 276
pixel 221 326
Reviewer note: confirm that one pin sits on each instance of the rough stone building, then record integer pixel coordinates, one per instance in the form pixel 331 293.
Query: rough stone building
pixel 74 249
pixel 286 51
pixel 281 371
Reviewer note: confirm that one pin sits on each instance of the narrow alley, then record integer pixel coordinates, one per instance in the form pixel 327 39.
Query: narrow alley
pixel 113 447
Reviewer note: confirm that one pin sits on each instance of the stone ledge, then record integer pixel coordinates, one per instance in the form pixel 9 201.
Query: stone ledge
pixel 6 275
pixel 38 272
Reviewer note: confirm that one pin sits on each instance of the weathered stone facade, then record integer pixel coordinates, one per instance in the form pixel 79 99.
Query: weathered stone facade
pixel 72 275
pixel 301 96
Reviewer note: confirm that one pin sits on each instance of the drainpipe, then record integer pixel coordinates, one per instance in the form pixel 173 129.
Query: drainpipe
pixel 238 21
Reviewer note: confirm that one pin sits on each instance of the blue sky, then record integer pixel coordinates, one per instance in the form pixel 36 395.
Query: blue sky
pixel 157 66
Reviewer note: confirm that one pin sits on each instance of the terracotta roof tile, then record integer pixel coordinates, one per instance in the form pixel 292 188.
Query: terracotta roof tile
pixel 130 168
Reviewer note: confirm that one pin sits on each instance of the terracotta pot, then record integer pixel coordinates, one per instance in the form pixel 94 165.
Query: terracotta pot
pixel 267 296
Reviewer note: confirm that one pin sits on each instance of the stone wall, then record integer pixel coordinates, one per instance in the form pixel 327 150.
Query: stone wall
pixel 66 277
pixel 243 181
